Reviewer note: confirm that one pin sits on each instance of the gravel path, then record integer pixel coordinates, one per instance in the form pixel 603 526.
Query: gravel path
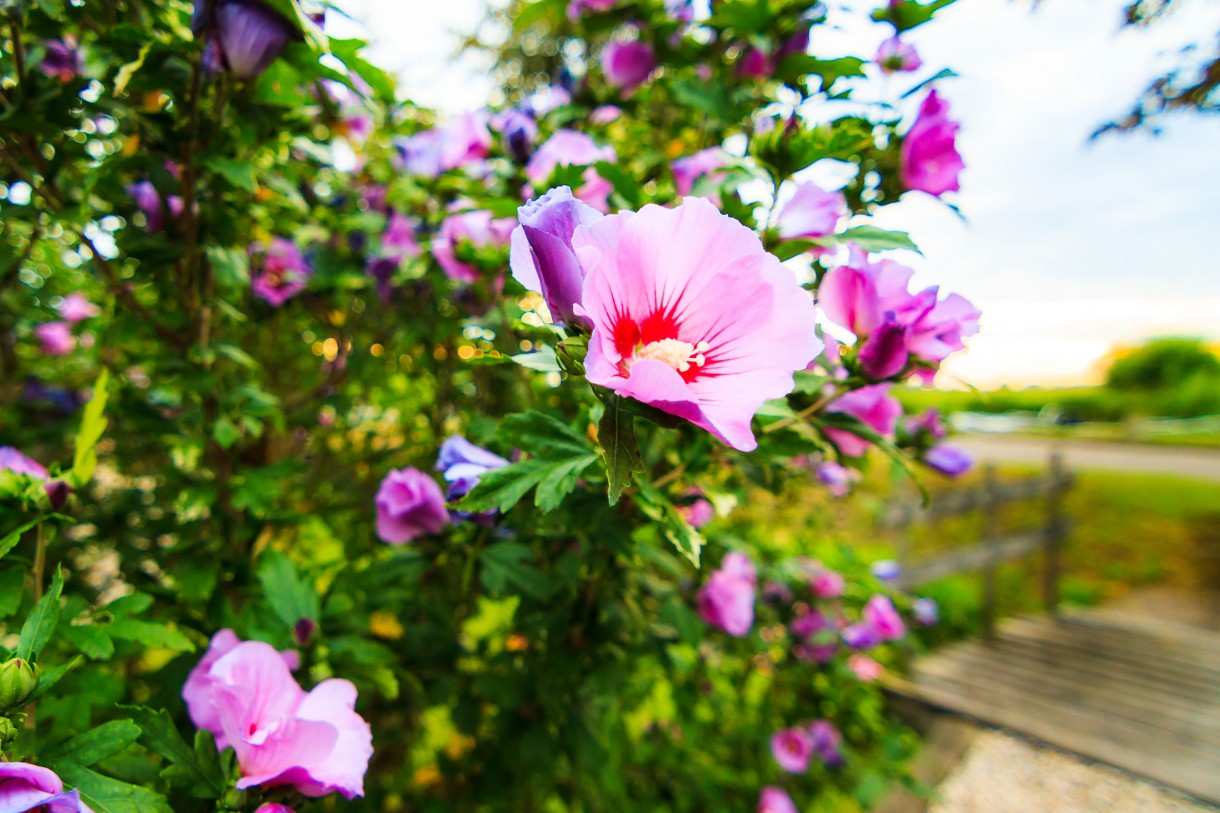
pixel 1002 774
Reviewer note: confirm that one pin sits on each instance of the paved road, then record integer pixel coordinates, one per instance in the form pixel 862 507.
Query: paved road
pixel 1202 463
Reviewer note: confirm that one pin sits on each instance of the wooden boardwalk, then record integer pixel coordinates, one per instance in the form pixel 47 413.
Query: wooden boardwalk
pixel 1138 694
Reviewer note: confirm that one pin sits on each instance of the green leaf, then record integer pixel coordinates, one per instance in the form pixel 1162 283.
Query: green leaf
pixel 908 14
pixel 225 432
pixel 93 424
pixel 377 79
pixel 829 70
pixel 47 678
pixel 657 507
pixel 542 435
pixel 874 239
pixel 37 630
pixel 239 173
pixel 290 595
pixel 150 635
pixel 95 745
pixel 106 795
pixel 506 565
pixel 12 590
pixel 544 360
pixel 561 479
pixel 127 71
pixel 91 639
pixel 160 735
pixel 11 539
pixel 616 435
pixel 501 489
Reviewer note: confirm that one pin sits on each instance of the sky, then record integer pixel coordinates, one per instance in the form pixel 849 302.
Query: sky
pixel 1069 247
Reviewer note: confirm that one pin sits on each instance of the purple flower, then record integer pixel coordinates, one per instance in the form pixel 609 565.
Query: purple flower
pixel 466 139
pixel 55 338
pixel 244 36
pixel 605 114
pixel 25 787
pixel 874 407
pixel 272 807
pixel 774 800
pixel 461 463
pixel 578 7
pixel 754 64
pixel 879 613
pixel 283 271
pixel 542 258
pixel 409 505
pixel 62 60
pixel 927 423
pixel 792 749
pixel 827 741
pixel 690 169
pixel 811 212
pixel 479 229
pixel 836 477
pixel 519 131
pixel 727 599
pixel 827 584
pixel 18 463
pixel 148 200
pixel 927 613
pixel 884 353
pixel 565 148
pixel 886 570
pixel 930 161
pixel 421 153
pixel 75 308
pixel 806 625
pixel 861 636
pixel 896 56
pixel 627 65
pixel 949 460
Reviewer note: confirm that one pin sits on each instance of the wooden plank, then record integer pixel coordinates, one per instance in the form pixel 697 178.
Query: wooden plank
pixel 954 503
pixel 974 557
pixel 1166 657
pixel 1106 691
pixel 1117 742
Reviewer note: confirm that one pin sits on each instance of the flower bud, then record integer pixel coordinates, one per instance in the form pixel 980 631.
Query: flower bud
pixel 18 679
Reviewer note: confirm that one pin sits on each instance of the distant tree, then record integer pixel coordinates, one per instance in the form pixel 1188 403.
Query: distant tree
pixel 1164 364
pixel 1190 86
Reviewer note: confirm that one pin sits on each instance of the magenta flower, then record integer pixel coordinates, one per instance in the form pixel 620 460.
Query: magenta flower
pixel 148 200
pixel 827 584
pixel 705 163
pixel 699 511
pixel 542 258
pixel 836 477
pixel 578 7
pixel 930 161
pixel 754 64
pixel 605 114
pixel 727 599
pixel 885 353
pixel 283 271
pixel 271 807
pixel 865 668
pixel 75 308
pixel 827 742
pixel 691 315
pixel 25 787
pixel 314 742
pixel 792 749
pixel 243 36
pixel 860 294
pixel 565 148
pixel 18 463
pixel 811 212
pixel 874 407
pixel 197 691
pixel 774 800
pixel 861 636
pixel 466 139
pixel 627 65
pixel 896 56
pixel 478 229
pixel 55 338
pixel 409 505
pixel 879 613
pixel 926 424
pixel 808 624
pixel 62 59
pixel 949 460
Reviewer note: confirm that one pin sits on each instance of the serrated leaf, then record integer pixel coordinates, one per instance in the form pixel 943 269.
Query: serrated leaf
pixel 561 480
pixel 92 426
pixel 505 564
pixel 91 639
pixel 291 597
pixel 621 450
pixel 106 795
pixel 161 736
pixel 501 489
pixel 11 539
pixel 40 624
pixel 94 745
pixel 542 435
pixel 657 507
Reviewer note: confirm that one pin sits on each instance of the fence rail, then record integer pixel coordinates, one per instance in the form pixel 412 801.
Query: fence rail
pixel 995 548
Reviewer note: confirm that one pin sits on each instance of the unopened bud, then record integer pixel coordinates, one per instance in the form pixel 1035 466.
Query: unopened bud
pixel 18 679
pixel 8 731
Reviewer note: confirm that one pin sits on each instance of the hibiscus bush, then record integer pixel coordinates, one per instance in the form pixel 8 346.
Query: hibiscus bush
pixel 354 456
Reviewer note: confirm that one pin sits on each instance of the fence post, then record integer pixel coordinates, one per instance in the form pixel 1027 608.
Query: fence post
pixel 991 533
pixel 1053 533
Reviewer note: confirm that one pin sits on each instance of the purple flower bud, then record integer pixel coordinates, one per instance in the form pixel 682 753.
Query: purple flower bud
pixel 827 742
pixel 627 65
pixel 542 258
pixel 62 60
pixel 303 630
pixel 57 492
pixel 887 570
pixel 461 463
pixel 247 35
pixel 884 354
pixel 950 460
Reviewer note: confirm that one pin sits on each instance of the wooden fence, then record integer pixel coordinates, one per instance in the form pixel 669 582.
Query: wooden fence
pixel 996 547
